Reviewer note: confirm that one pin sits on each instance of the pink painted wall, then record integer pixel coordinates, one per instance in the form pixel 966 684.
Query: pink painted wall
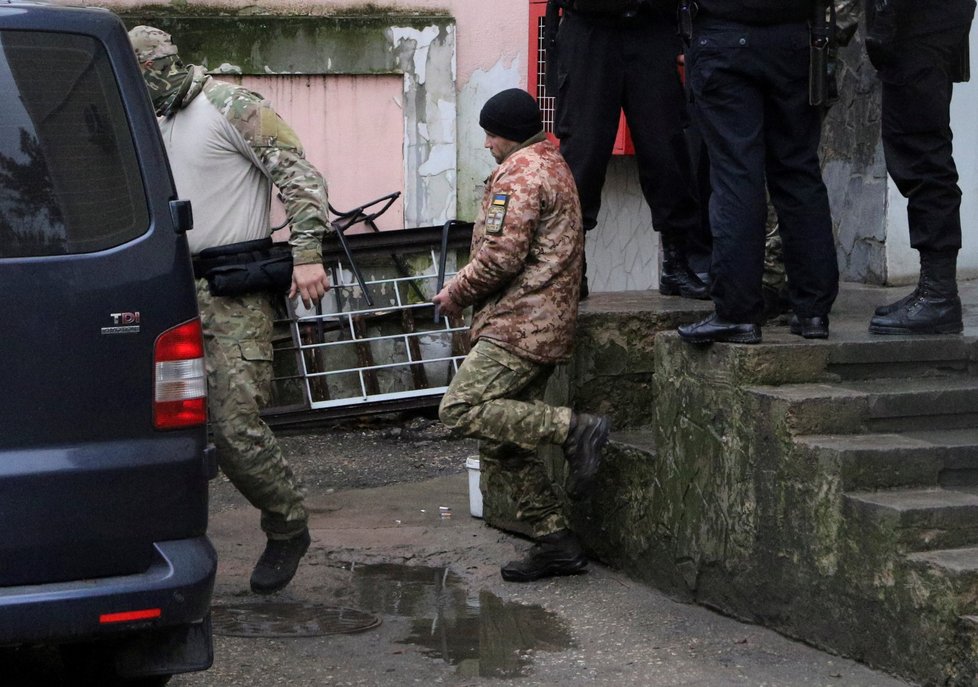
pixel 353 128
pixel 360 166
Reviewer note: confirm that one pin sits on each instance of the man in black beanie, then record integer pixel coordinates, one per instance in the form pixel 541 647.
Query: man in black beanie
pixel 522 281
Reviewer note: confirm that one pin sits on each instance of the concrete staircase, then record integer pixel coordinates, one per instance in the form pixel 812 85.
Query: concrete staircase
pixel 827 489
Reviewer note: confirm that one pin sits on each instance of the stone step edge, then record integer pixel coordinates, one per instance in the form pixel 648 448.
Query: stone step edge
pixel 957 561
pixel 880 387
pixel 905 501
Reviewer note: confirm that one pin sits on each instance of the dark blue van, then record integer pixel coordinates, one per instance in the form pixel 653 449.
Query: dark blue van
pixel 104 461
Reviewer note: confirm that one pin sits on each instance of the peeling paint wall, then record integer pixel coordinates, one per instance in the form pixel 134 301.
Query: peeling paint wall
pixel 419 48
pixel 427 59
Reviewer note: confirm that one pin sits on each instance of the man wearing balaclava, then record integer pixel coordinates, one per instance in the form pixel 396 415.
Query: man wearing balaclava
pixel 227 147
pixel 522 281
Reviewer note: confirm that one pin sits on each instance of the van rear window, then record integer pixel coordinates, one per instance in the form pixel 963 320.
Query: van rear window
pixel 69 178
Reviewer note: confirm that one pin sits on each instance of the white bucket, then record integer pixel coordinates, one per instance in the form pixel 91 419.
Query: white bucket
pixel 475 493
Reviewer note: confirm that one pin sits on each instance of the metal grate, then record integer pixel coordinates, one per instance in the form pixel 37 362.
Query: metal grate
pixel 355 353
pixel 546 102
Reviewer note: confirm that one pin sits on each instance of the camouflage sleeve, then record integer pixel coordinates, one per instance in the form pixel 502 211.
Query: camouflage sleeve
pixel 280 152
pixel 509 223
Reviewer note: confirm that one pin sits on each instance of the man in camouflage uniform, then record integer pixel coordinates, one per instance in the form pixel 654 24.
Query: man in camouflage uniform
pixel 523 280
pixel 227 146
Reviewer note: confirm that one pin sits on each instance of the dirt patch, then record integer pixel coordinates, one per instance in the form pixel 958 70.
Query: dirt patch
pixel 370 453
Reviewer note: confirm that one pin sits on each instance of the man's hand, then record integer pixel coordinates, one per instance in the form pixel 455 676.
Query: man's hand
pixel 309 282
pixel 445 304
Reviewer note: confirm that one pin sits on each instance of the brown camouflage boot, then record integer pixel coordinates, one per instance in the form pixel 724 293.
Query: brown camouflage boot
pixel 555 554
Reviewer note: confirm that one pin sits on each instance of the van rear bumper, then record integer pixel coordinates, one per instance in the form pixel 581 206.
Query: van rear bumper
pixel 179 582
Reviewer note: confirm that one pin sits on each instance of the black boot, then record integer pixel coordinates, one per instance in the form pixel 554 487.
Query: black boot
pixel 936 307
pixel 896 305
pixel 582 449
pixel 278 563
pixel 554 554
pixel 676 278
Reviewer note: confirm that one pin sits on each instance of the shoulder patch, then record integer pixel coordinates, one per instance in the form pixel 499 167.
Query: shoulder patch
pixel 496 213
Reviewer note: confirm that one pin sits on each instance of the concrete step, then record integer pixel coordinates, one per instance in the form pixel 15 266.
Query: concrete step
pixel 902 357
pixel 927 458
pixel 958 568
pixel 916 519
pixel 876 405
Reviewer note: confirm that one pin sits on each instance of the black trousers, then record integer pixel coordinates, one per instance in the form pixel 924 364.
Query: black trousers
pixel 604 67
pixel 917 89
pixel 750 88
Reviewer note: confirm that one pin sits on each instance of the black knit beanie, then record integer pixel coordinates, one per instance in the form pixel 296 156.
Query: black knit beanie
pixel 512 114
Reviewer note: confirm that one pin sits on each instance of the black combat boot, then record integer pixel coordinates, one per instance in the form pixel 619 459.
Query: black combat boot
pixel 676 278
pixel 896 305
pixel 278 563
pixel 554 554
pixel 582 449
pixel 936 307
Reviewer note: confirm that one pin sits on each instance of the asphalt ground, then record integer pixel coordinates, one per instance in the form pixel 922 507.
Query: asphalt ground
pixel 394 539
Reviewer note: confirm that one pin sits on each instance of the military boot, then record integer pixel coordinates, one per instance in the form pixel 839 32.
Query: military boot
pixel 582 449
pixel 555 554
pixel 278 563
pixel 677 278
pixel 896 305
pixel 936 307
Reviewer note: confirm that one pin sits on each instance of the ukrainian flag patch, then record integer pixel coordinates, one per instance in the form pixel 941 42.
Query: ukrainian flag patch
pixel 496 213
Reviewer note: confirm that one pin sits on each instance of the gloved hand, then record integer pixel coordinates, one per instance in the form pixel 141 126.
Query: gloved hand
pixel 881 37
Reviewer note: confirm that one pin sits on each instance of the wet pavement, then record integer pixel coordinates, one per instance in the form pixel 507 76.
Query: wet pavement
pixel 411 555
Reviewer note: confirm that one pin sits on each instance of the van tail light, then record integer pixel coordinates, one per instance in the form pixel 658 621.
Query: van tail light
pixel 130 616
pixel 180 393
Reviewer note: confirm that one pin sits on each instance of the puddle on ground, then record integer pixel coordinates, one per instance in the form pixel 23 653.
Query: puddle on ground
pixel 479 633
pixel 289 619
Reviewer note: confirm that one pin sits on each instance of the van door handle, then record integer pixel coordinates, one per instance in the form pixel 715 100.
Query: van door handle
pixel 182 216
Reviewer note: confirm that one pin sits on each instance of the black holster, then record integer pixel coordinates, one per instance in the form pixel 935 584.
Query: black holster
pixel 551 22
pixel 823 88
pixel 245 267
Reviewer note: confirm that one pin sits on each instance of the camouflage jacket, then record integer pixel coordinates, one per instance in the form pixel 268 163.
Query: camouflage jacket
pixel 524 273
pixel 227 146
pixel 278 148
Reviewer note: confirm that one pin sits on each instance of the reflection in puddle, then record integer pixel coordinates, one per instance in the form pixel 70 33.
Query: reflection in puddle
pixel 289 619
pixel 481 635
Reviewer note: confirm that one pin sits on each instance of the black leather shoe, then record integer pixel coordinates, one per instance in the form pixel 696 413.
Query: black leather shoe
pixel 715 329
pixel 278 563
pixel 555 554
pixel 810 327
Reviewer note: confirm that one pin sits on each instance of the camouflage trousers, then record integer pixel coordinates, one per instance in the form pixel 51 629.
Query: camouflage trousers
pixel 774 275
pixel 238 343
pixel 497 397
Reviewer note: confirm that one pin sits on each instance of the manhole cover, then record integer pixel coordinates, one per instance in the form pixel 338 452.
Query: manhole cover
pixel 289 620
